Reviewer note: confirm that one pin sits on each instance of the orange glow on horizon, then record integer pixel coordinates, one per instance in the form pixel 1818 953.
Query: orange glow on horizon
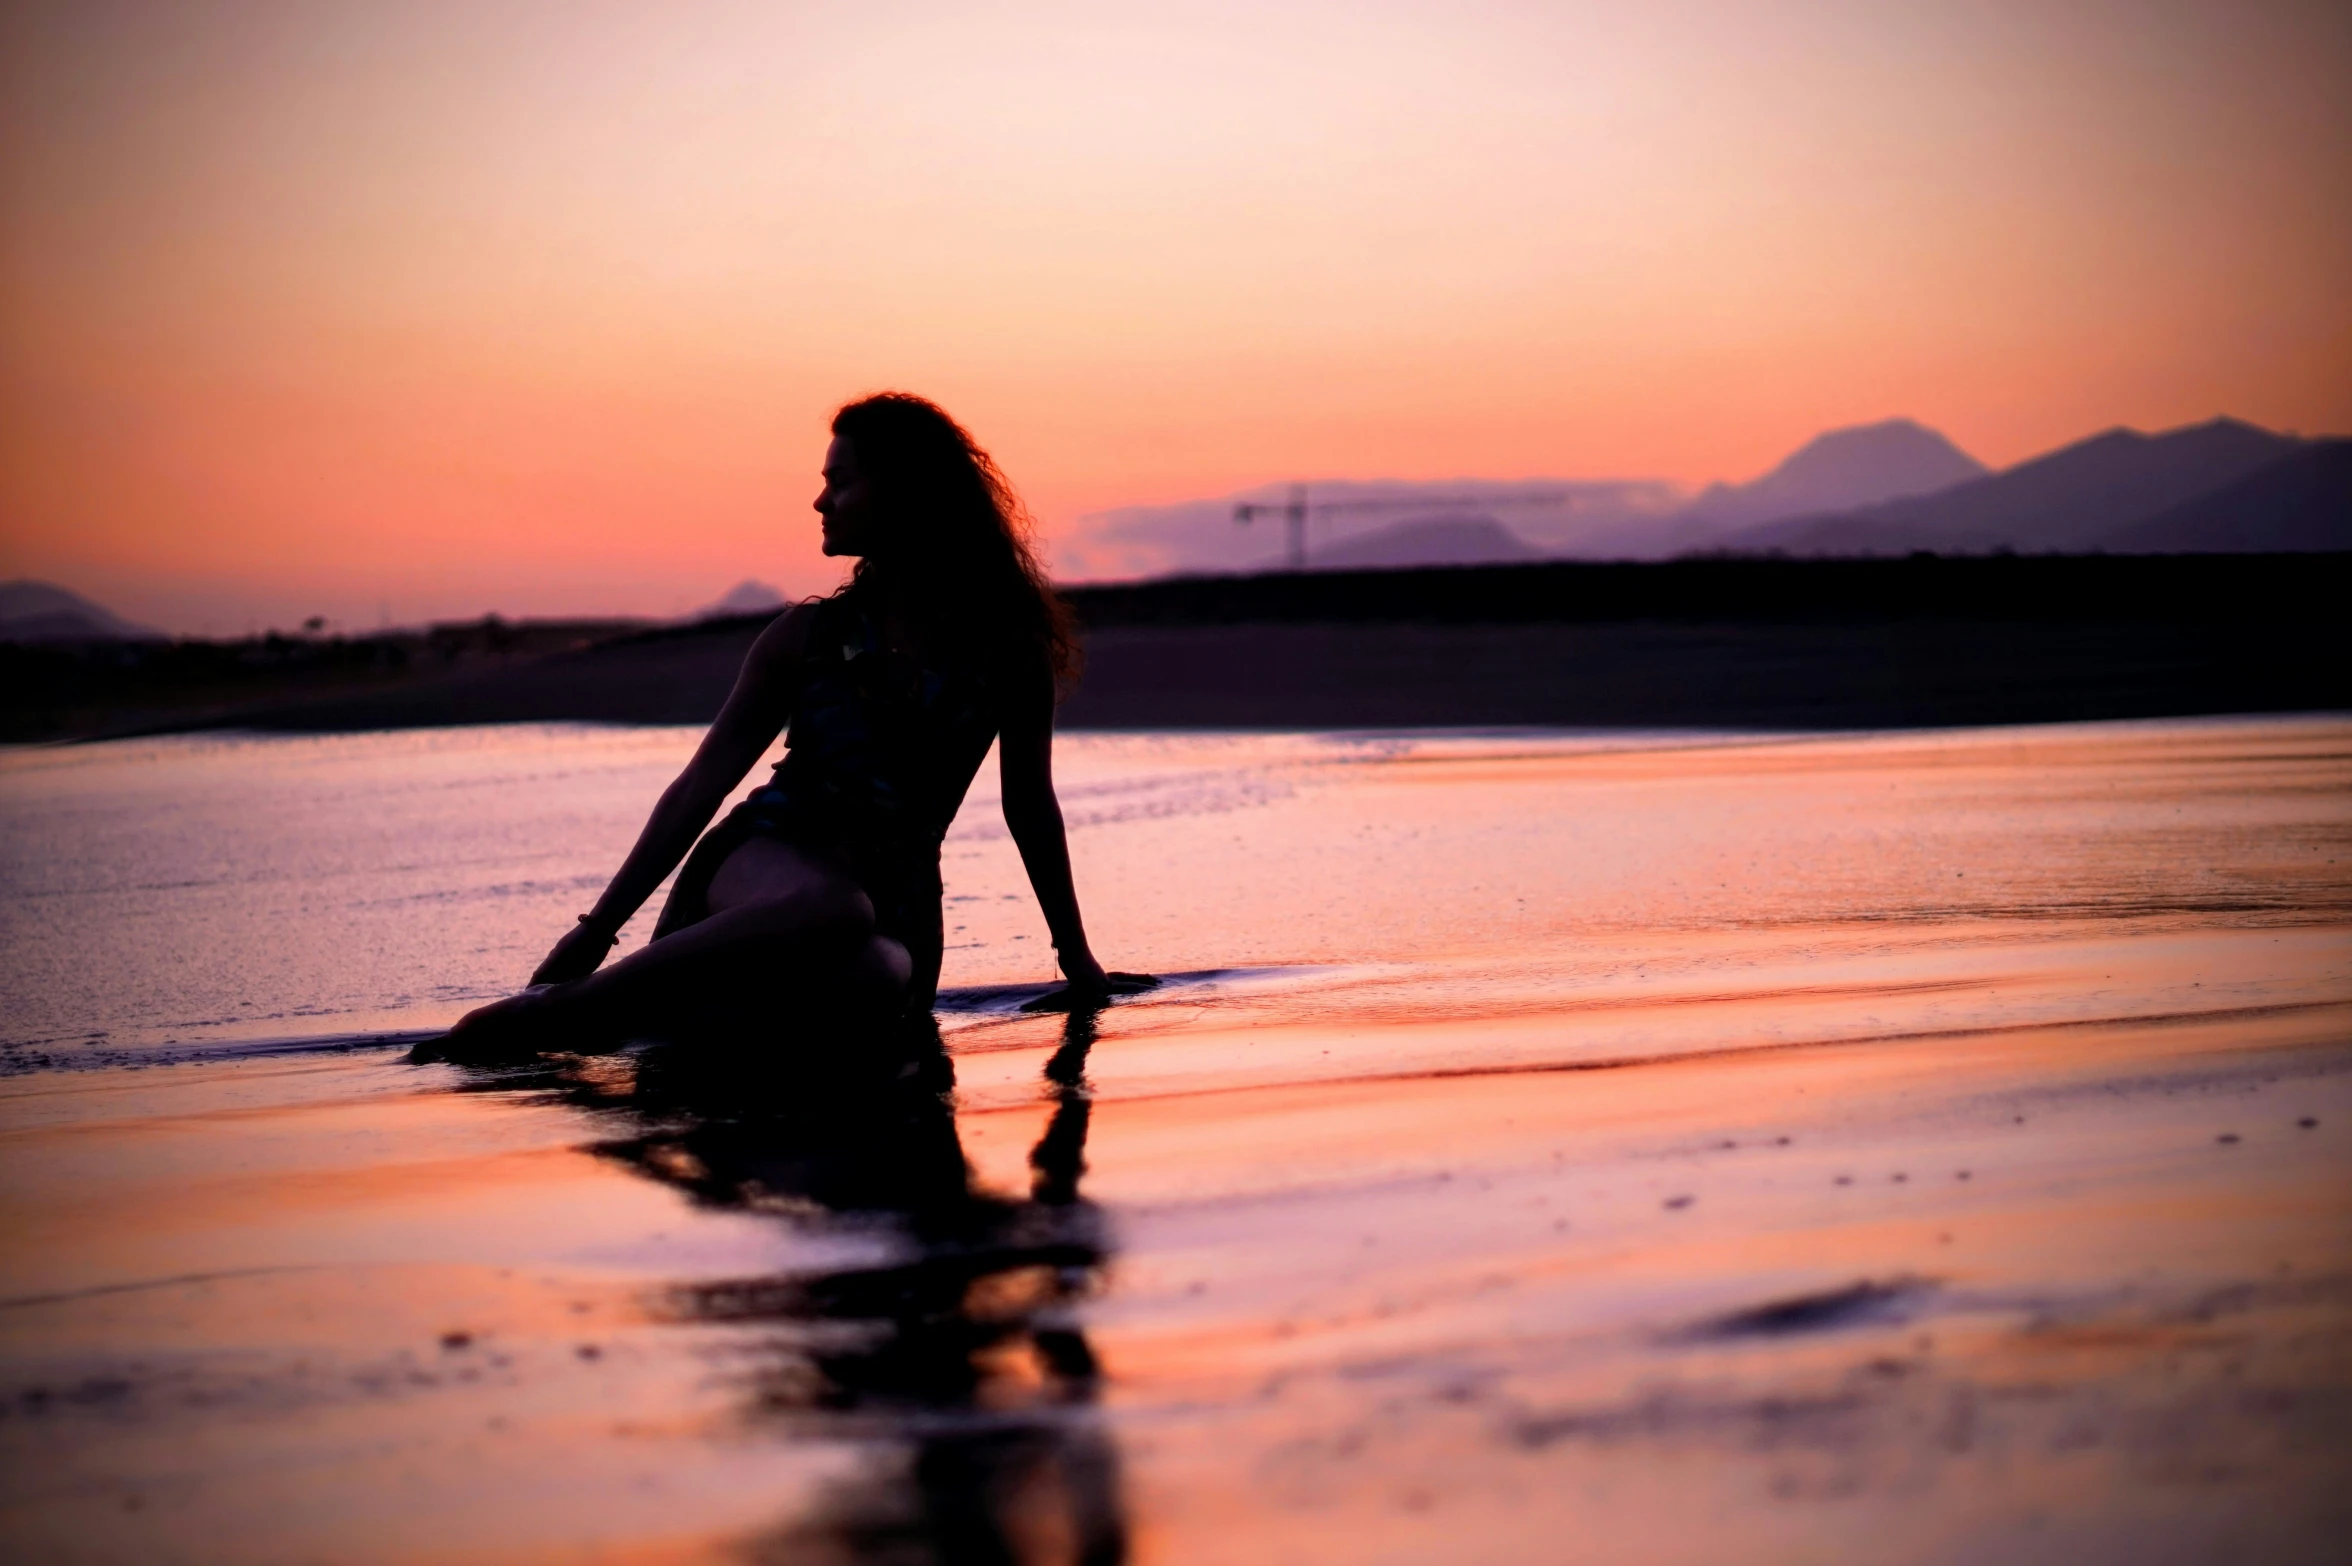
pixel 424 311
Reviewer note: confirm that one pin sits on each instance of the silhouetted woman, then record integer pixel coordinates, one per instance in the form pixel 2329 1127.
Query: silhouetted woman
pixel 825 881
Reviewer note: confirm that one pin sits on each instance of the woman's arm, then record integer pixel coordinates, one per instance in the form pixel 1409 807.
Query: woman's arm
pixel 1034 816
pixel 753 716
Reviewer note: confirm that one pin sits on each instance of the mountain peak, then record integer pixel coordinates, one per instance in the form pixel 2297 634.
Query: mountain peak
pixel 1443 539
pixel 748 596
pixel 2077 497
pixel 1840 470
pixel 44 612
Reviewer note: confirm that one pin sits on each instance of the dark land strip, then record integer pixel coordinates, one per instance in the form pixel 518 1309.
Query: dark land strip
pixel 1743 643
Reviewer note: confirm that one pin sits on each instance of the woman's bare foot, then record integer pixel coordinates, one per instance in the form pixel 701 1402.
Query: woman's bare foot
pixel 515 1028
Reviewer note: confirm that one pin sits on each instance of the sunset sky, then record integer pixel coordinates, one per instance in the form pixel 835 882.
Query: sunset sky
pixel 414 310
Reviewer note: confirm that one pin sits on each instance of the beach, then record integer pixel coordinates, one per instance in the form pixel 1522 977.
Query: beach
pixel 1642 1146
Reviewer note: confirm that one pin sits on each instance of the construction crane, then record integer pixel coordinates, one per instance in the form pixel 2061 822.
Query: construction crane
pixel 1294 523
pixel 1294 510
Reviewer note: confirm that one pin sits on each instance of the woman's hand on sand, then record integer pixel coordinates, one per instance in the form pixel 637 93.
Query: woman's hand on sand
pixel 575 956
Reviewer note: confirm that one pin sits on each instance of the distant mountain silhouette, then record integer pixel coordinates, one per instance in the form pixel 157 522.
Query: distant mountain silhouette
pixel 745 597
pixel 2069 499
pixel 44 612
pixel 1525 519
pixel 1553 517
pixel 1839 470
pixel 2300 504
pixel 1428 541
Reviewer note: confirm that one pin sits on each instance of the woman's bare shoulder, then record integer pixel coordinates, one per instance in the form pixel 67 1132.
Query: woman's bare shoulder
pixel 787 636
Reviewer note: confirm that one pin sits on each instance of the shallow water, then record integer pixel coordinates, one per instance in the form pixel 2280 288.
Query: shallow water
pixel 1660 1147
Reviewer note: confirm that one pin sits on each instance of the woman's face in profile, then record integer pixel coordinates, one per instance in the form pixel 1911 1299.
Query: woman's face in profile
pixel 845 503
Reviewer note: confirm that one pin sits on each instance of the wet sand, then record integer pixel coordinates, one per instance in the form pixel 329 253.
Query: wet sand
pixel 1929 1147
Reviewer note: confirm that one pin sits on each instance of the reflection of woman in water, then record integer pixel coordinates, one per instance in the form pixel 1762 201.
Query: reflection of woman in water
pixel 946 1349
pixel 826 879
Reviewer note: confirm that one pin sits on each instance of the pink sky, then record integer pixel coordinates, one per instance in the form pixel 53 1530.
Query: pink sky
pixel 424 310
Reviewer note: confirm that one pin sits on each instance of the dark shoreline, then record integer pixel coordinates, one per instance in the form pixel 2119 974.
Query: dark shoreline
pixel 1753 643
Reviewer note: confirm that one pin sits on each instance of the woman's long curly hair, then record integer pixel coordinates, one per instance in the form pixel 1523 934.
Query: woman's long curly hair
pixel 955 537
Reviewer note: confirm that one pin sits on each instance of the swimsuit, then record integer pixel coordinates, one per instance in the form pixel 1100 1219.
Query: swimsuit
pixel 879 754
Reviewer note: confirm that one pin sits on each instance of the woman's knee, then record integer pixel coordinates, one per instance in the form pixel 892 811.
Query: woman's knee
pixel 849 911
pixel 885 962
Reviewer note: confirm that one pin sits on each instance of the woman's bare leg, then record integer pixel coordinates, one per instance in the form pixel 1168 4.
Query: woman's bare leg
pixel 772 907
pixel 778 915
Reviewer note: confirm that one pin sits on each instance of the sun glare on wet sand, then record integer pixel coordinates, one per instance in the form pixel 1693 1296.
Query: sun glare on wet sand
pixel 1913 1147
